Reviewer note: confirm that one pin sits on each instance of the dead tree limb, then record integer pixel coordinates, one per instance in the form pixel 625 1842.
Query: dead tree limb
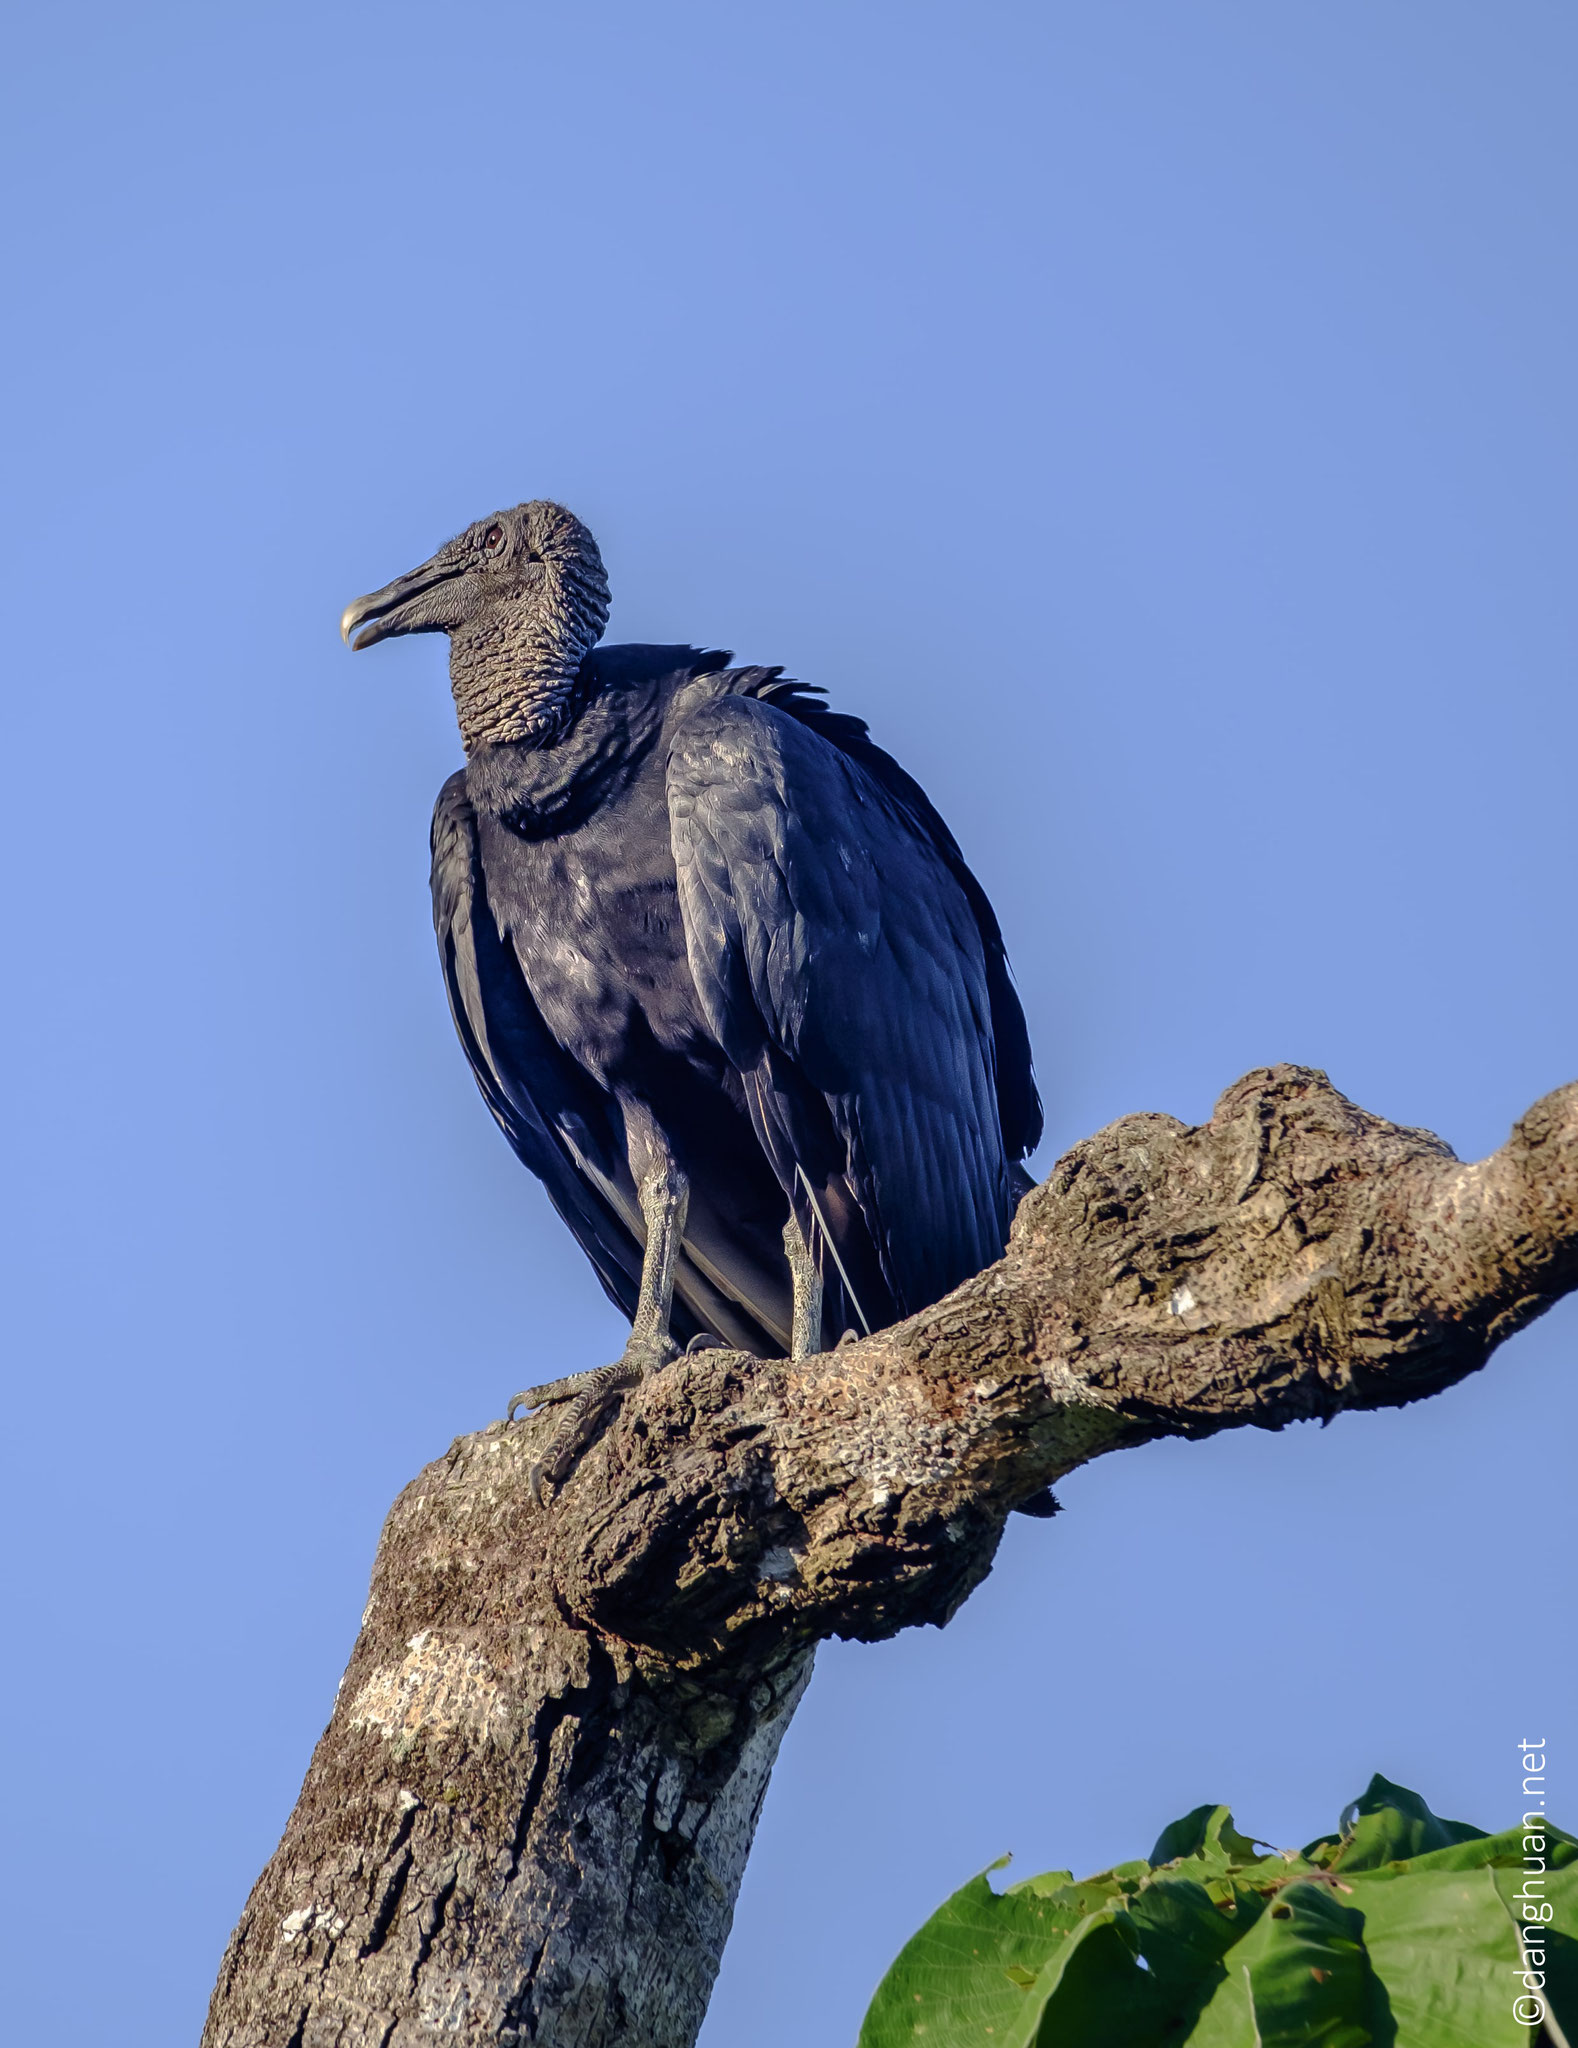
pixel 528 1817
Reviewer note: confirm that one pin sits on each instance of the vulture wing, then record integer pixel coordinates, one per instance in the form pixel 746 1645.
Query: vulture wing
pixel 841 966
pixel 526 1080
pixel 1018 1103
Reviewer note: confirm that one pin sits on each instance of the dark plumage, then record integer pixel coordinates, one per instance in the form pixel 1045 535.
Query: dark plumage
pixel 718 966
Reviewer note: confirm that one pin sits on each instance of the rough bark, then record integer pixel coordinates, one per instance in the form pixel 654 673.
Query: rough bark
pixel 528 1817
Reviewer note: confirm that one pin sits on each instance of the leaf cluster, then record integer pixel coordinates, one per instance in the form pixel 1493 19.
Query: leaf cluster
pixel 1398 1931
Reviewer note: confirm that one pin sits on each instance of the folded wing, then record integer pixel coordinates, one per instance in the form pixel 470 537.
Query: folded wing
pixel 533 1090
pixel 841 966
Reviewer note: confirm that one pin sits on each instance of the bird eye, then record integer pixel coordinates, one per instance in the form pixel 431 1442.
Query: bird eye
pixel 493 539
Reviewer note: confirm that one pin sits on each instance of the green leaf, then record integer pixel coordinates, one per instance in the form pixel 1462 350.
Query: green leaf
pixel 1091 1894
pixel 1392 1824
pixel 1208 1831
pixel 1399 1932
pixel 951 1981
pixel 1559 1949
pixel 1186 1938
pixel 1298 1979
pixel 1442 1945
pixel 1480 1852
pixel 1097 1992
pixel 1013 1970
pixel 1183 1935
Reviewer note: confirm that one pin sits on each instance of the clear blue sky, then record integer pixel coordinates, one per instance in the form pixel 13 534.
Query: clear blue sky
pixel 1161 421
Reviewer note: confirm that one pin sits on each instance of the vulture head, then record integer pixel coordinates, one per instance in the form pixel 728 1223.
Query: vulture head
pixel 523 597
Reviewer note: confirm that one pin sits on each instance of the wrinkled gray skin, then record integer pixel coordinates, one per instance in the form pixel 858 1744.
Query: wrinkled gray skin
pixel 722 974
pixel 523 598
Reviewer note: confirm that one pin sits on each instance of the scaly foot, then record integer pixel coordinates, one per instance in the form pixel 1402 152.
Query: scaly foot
pixel 590 1395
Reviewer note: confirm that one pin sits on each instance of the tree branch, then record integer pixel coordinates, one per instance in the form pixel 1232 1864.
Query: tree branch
pixel 531 1810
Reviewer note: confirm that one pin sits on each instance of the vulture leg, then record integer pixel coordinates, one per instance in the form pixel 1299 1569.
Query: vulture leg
pixel 665 1195
pixel 807 1278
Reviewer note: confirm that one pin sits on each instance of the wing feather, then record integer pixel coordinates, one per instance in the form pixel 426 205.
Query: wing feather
pixel 841 966
pixel 525 1080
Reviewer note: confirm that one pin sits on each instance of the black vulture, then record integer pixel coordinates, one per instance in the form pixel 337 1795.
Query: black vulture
pixel 721 972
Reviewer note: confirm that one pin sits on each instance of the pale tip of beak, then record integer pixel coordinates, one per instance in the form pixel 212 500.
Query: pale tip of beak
pixel 347 621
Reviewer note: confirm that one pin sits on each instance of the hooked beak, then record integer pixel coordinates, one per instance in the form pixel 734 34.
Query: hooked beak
pixel 395 608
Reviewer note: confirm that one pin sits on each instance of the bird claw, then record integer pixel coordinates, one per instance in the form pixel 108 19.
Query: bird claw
pixel 590 1394
pixel 547 1394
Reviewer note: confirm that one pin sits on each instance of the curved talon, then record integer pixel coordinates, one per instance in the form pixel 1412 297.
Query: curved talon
pixel 705 1340
pixel 548 1393
pixel 589 1394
